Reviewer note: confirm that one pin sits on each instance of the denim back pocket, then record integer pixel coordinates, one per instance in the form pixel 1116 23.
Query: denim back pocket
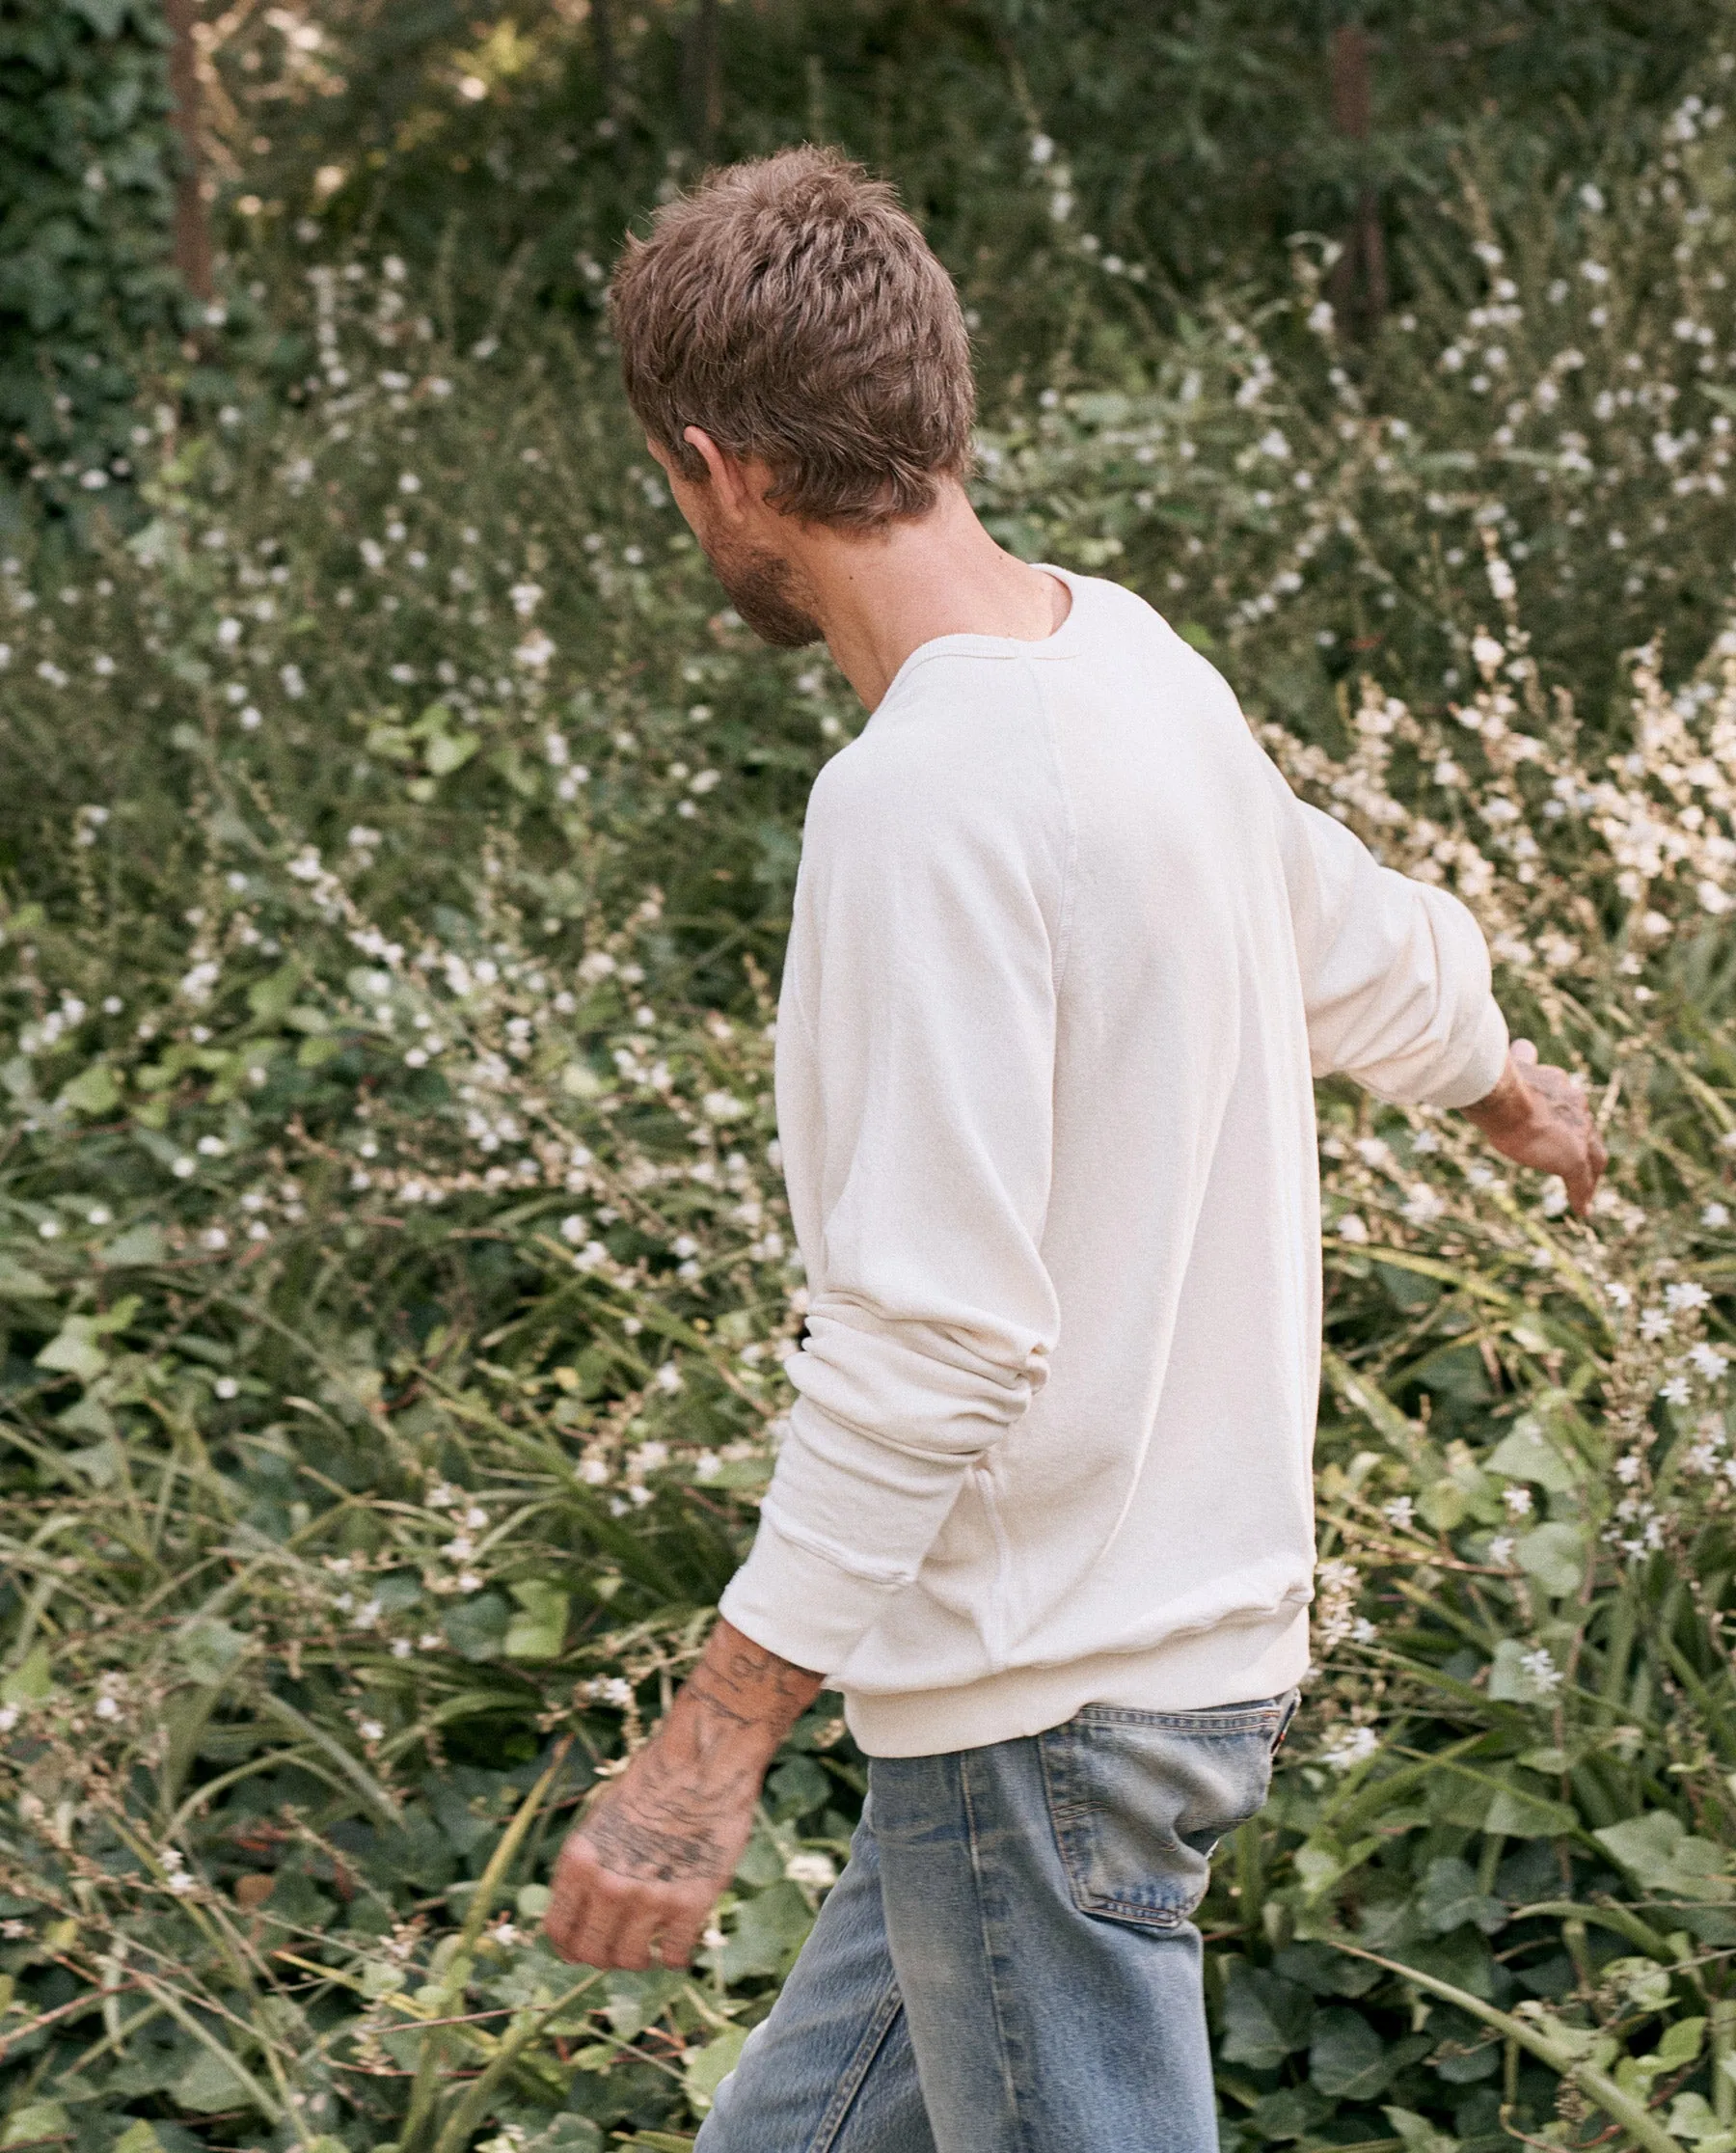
pixel 1138 1801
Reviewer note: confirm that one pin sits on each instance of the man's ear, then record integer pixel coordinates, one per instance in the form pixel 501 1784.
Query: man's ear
pixel 732 482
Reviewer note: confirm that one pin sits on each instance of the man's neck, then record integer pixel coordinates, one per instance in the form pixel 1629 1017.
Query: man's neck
pixel 878 598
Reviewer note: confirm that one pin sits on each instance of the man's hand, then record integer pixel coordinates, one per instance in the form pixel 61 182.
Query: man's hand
pixel 1538 1116
pixel 635 1880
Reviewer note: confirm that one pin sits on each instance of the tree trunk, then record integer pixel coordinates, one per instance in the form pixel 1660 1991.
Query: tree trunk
pixel 1358 284
pixel 192 222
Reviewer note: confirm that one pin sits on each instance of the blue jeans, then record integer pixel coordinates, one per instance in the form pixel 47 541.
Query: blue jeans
pixel 1007 1963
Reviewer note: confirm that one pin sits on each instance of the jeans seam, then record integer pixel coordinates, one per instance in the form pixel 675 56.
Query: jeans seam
pixel 851 2083
pixel 1010 2083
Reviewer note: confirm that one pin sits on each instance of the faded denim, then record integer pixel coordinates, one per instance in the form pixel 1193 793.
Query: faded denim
pixel 1007 1964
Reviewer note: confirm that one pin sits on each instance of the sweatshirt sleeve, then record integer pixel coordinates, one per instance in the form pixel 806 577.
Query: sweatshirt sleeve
pixel 914 1109
pixel 1395 972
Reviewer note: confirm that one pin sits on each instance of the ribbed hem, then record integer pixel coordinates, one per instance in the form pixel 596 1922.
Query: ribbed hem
pixel 798 1604
pixel 1232 1664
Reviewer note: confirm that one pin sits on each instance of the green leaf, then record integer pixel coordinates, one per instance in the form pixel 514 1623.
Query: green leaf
pixel 39 2119
pixel 572 2134
pixel 538 1630
pixel 449 751
pixel 31 1680
pixel 138 2137
pixel 769 1929
pixel 18 1282
pixel 708 2067
pixel 1658 1850
pixel 1265 2017
pixel 1691 2118
pixel 137 1246
pixel 93 1092
pixel 478 1627
pixel 1681 2043
pixel 1346 2058
pixel 209 1649
pixel 1555 1555
pixel 208 2086
pixel 1450 1898
pixel 74 1351
pixel 1520 1814
pixel 1418 2134
pixel 1528 1454
pixel 271 999
pixel 1512 1682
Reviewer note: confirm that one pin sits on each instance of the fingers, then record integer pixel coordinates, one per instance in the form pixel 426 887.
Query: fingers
pixel 597 1918
pixel 1582 1184
pixel 1522 1050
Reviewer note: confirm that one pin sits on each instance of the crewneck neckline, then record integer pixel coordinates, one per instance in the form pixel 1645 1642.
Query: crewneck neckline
pixel 967 645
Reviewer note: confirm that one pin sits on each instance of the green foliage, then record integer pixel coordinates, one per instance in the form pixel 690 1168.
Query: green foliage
pixel 86 204
pixel 394 1273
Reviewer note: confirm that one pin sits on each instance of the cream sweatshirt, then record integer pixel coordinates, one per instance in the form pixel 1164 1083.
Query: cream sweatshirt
pixel 1066 955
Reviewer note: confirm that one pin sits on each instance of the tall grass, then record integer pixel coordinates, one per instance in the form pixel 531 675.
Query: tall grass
pixel 396 1273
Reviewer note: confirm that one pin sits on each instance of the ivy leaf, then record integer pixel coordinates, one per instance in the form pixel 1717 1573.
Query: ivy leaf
pixel 1346 2058
pixel 1555 1555
pixel 1658 1850
pixel 95 1091
pixel 538 1630
pixel 1265 2016
pixel 708 2067
pixel 1450 1897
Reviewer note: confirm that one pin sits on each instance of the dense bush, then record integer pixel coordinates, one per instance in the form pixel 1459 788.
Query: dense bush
pixel 87 184
pixel 396 1274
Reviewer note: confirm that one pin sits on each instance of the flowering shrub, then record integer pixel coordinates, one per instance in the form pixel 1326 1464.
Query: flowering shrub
pixel 395 1272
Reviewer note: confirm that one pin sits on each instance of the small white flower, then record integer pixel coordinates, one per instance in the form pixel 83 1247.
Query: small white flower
pixel 402 1648
pixel 180 1883
pixel 504 1933
pixel 369 1730
pixel 1685 1296
pixel 106 1708
pixel 1709 1361
pixel 1500 1549
pixel 49 1229
pixel 469 1582
pixel 1676 1391
pixel 9 1718
pixel 668 1377
pixel 1400 1511
pixel 819 1871
pixel 1715 1215
pixel 1518 1501
pixel 1542 1669
pixel 226 1387
pixel 1352 1227
pixel 1346 1747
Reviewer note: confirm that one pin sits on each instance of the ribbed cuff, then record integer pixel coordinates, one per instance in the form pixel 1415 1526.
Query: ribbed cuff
pixel 798 1604
pixel 1483 1068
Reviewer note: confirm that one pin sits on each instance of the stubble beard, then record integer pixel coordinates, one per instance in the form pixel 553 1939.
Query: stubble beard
pixel 758 585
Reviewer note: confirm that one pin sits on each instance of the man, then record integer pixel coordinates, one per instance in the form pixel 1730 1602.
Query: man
pixel 1066 953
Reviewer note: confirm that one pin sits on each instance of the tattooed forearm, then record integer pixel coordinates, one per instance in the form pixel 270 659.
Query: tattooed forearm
pixel 704 1764
pixel 635 1881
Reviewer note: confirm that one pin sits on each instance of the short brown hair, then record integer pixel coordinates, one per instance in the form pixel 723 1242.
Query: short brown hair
pixel 792 308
